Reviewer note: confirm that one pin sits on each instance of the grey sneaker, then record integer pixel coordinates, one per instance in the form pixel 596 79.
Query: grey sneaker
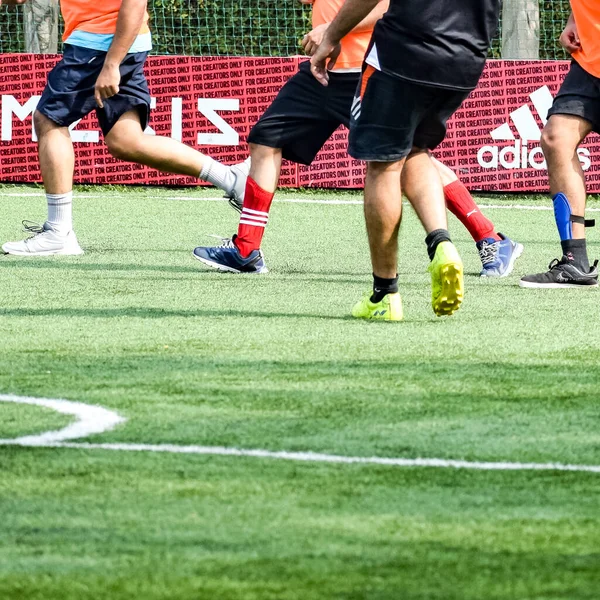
pixel 44 242
pixel 562 274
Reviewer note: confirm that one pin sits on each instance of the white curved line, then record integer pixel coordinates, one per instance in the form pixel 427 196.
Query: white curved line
pixel 90 420
pixel 95 419
pixel 333 458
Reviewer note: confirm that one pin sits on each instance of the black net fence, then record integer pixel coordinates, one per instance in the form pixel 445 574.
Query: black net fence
pixel 251 27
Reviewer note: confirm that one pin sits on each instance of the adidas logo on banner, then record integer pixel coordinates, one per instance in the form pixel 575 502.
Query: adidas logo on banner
pixel 520 155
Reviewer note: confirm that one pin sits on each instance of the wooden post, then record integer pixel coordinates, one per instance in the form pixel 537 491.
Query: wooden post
pixel 41 26
pixel 521 29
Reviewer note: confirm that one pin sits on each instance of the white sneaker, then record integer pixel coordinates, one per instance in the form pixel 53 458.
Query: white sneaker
pixel 240 172
pixel 44 242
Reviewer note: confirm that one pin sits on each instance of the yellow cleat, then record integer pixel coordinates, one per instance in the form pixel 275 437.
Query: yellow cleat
pixel 447 284
pixel 389 309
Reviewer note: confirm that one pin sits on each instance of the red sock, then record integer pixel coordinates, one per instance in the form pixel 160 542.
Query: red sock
pixel 255 215
pixel 461 204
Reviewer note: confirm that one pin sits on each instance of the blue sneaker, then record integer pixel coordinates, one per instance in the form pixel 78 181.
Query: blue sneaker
pixel 227 257
pixel 498 256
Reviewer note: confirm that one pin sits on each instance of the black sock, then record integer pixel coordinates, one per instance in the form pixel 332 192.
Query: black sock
pixel 575 251
pixel 436 237
pixel 382 287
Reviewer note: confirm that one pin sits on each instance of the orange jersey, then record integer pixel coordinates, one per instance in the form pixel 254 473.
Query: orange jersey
pixel 99 16
pixel 587 19
pixel 354 45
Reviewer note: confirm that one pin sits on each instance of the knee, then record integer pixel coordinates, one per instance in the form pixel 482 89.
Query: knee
pixel 557 142
pixel 259 152
pixel 121 148
pixel 375 169
pixel 43 124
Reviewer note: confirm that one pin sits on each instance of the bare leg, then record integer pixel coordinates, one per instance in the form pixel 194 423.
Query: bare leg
pixel 560 139
pixel 127 141
pixel 447 175
pixel 57 159
pixel 383 212
pixel 423 187
pixel 265 166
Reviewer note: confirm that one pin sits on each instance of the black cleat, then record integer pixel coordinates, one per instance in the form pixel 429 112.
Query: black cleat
pixel 562 274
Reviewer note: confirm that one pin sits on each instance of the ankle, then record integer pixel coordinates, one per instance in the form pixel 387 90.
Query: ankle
pixel 383 286
pixel 434 239
pixel 492 235
pixel 575 251
pixel 60 212
pixel 244 247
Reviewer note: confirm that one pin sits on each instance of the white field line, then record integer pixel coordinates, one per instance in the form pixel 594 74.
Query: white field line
pixel 95 419
pixel 90 420
pixel 300 200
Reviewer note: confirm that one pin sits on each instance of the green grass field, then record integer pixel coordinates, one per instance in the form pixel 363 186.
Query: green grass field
pixel 194 357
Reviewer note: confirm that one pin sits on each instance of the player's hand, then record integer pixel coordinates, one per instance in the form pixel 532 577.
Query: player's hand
pixel 312 40
pixel 107 84
pixel 324 59
pixel 569 38
pixel 306 1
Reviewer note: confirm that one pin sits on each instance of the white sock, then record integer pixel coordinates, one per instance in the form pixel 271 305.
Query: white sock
pixel 60 212
pixel 218 174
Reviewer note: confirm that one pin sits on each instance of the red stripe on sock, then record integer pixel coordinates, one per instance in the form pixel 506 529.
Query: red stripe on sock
pixel 249 237
pixel 460 203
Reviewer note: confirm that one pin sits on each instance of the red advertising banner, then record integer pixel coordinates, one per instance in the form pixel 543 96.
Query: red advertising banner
pixel 211 103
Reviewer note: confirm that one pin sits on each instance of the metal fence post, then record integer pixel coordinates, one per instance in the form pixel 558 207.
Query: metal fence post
pixel 521 29
pixel 41 26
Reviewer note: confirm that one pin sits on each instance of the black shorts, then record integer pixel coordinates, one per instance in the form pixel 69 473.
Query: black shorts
pixel 391 116
pixel 305 114
pixel 69 92
pixel 579 96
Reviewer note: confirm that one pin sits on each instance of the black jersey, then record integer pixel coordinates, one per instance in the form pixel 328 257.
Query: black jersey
pixel 442 43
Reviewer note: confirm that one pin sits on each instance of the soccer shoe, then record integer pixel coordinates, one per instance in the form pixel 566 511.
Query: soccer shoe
pixel 44 242
pixel 227 257
pixel 447 285
pixel 498 256
pixel 389 309
pixel 562 274
pixel 240 172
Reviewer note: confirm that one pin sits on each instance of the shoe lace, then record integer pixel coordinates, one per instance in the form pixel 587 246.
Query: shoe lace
pixel 234 203
pixel 488 252
pixel 32 227
pixel 556 263
pixel 225 242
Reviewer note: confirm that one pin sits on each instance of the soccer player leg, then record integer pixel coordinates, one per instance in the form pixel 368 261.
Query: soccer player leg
pixel 242 253
pixel 497 252
pixel 423 187
pixel 295 127
pixel 371 139
pixel 67 97
pixel 560 139
pixel 383 212
pixel 124 120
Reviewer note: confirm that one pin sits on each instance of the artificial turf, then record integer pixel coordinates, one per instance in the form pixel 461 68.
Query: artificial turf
pixel 191 356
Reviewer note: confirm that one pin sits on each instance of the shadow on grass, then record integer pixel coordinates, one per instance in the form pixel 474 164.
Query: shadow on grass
pixel 159 313
pixel 84 266
pixel 194 268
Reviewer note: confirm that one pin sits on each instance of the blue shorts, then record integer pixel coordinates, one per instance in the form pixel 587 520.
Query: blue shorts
pixel 69 92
